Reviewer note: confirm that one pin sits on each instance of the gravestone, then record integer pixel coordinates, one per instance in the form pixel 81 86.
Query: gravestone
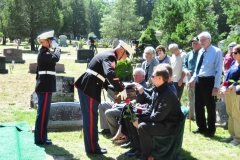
pixel 13 54
pixel 222 115
pixel 63 41
pixel 3 65
pixel 65 116
pixel 65 89
pixel 83 55
pixel 60 68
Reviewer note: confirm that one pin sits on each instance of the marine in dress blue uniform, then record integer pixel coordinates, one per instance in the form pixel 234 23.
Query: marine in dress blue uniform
pixel 46 84
pixel 99 73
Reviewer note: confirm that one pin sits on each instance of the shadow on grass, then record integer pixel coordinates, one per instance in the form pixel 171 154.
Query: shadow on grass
pixel 58 152
pixel 99 157
pixel 186 155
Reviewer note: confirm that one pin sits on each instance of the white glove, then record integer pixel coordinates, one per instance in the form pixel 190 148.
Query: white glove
pixel 54 44
pixel 123 94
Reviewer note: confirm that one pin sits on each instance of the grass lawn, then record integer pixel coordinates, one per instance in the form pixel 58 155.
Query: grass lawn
pixel 15 91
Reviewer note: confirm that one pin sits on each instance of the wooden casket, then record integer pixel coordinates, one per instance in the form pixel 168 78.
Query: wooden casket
pixel 131 93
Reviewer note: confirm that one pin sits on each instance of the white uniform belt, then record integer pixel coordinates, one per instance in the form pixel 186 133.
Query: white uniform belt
pixel 96 74
pixel 47 72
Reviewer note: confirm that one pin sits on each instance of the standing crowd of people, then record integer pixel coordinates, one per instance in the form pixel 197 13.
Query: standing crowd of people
pixel 159 85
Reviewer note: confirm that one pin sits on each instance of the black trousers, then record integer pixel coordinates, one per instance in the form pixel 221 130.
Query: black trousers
pixel 203 97
pixel 179 89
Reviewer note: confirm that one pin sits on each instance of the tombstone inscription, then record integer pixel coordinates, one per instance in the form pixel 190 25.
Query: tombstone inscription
pixel 13 54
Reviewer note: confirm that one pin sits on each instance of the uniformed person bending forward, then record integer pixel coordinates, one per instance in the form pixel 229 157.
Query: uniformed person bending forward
pixel 46 84
pixel 89 86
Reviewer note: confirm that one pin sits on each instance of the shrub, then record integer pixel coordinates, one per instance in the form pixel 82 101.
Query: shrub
pixel 147 38
pixel 124 70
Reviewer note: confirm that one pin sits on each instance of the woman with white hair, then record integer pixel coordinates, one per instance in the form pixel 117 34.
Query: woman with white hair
pixel 148 65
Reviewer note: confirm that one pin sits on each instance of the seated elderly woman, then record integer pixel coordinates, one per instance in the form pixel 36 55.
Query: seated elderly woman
pixel 148 65
pixel 162 56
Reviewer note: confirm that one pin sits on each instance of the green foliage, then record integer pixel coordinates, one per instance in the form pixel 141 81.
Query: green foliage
pixel 124 69
pixel 122 22
pixel 1 34
pixel 231 9
pixel 147 38
pixel 81 42
pixel 105 44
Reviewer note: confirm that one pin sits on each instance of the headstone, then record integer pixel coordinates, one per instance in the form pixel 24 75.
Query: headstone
pixel 3 65
pixel 65 89
pixel 63 41
pixel 222 115
pixel 83 55
pixel 65 116
pixel 32 68
pixel 13 54
pixel 60 68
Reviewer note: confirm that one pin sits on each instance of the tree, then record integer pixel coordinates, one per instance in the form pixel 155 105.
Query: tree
pixel 79 23
pixel 166 15
pixel 29 18
pixel 94 10
pixel 200 17
pixel 147 38
pixel 122 22
pixel 231 9
pixel 144 9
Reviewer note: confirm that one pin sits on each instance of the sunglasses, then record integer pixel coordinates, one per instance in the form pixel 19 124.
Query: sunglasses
pixel 235 52
pixel 231 46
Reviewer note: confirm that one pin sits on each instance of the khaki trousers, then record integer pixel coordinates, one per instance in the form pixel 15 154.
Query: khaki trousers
pixel 191 102
pixel 233 110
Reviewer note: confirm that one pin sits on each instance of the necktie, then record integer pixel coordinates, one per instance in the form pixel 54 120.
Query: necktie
pixel 200 62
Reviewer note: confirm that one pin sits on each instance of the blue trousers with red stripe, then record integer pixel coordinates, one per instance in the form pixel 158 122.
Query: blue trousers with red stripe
pixel 89 108
pixel 43 110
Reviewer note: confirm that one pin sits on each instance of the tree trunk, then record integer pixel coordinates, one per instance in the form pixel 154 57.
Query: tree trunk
pixel 32 44
pixel 4 40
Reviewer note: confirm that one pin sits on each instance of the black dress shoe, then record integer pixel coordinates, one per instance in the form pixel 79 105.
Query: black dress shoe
pixel 208 134
pixel 126 145
pixel 101 151
pixel 200 131
pixel 135 154
pixel 105 131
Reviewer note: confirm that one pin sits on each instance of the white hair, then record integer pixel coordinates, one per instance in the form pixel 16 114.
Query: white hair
pixel 205 34
pixel 173 46
pixel 150 50
pixel 140 70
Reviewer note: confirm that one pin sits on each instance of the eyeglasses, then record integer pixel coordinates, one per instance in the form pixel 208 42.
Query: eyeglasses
pixel 159 50
pixel 231 46
pixel 235 52
pixel 202 40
